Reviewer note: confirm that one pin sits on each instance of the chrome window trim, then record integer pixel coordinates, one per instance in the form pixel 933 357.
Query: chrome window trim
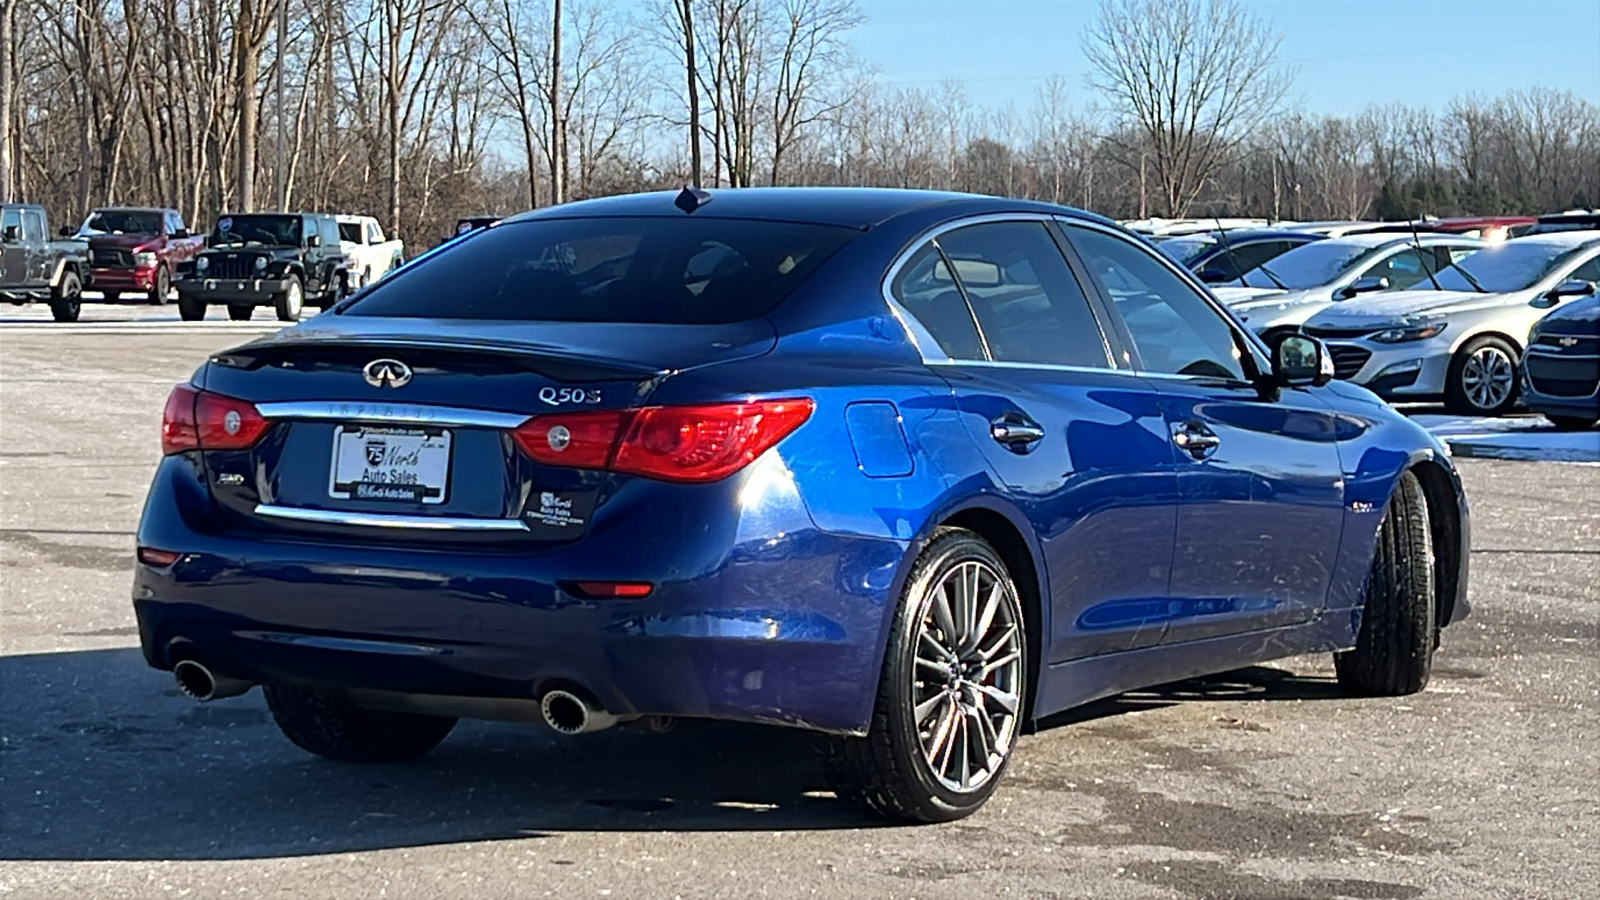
pixel 399 413
pixel 1050 367
pixel 930 349
pixel 385 520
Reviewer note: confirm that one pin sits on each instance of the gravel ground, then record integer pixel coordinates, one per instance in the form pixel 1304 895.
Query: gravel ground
pixel 1263 783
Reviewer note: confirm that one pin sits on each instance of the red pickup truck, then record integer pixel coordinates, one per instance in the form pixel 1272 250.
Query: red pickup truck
pixel 137 251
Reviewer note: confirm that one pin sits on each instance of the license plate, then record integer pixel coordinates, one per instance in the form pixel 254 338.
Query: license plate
pixel 402 464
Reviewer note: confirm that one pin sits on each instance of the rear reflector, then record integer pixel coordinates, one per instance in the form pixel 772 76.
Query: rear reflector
pixel 610 590
pixel 150 556
pixel 201 420
pixel 693 444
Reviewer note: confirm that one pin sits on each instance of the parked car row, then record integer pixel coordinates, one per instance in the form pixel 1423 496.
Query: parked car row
pixel 281 260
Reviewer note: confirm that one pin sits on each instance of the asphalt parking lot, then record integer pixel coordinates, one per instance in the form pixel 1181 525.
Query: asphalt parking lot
pixel 1264 783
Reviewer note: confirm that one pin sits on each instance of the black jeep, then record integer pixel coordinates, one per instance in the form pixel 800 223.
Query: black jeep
pixel 285 260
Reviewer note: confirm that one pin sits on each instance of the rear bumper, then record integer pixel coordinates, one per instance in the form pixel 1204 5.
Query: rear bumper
pixel 232 291
pixel 783 627
pixel 121 279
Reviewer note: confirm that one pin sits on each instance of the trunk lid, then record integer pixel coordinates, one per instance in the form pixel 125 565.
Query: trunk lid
pixel 402 429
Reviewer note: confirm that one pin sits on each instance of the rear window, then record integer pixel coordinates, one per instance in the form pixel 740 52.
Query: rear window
pixel 350 231
pixel 680 270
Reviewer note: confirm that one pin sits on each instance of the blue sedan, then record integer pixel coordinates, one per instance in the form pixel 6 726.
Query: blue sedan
pixel 912 470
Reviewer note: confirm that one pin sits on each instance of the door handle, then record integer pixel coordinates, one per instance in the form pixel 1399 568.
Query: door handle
pixel 1195 439
pixel 1016 432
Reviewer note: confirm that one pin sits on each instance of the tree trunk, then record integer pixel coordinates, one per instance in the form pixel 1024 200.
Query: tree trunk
pixel 7 58
pixel 247 65
pixel 558 124
pixel 686 20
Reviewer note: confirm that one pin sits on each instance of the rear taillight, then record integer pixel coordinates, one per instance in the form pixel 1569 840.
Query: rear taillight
pixel 673 443
pixel 200 420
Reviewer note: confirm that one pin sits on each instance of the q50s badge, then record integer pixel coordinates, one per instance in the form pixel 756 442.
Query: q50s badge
pixel 558 396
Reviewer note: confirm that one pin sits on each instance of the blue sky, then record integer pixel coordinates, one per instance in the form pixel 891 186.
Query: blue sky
pixel 1349 53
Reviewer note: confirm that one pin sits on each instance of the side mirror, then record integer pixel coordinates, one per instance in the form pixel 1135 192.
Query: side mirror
pixel 1215 274
pixel 1572 287
pixel 1301 361
pixel 314 241
pixel 1366 284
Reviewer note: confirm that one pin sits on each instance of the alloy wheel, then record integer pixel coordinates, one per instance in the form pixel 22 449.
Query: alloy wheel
pixel 1488 377
pixel 966 683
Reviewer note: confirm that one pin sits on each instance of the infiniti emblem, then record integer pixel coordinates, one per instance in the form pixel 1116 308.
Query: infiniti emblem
pixel 387 373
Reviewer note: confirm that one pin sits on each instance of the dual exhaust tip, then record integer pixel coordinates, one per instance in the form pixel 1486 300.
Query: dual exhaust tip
pixel 566 712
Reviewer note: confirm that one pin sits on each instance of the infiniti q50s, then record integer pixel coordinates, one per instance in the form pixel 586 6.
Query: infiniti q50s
pixel 911 470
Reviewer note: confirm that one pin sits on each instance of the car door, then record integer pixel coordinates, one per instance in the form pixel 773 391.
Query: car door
pixel 13 252
pixel 1260 482
pixel 40 259
pixel 1077 445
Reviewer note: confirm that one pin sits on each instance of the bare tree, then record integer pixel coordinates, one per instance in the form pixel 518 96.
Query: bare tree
pixel 1196 77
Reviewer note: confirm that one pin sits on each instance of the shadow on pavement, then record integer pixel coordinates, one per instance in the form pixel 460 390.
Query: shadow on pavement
pixel 103 760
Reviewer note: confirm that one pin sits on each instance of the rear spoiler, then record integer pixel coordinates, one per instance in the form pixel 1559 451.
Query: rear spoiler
pixel 551 361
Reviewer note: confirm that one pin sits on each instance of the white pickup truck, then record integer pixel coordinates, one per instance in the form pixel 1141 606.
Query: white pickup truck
pixel 368 256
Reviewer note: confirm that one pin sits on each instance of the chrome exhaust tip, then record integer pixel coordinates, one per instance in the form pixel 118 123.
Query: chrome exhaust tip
pixel 568 713
pixel 202 685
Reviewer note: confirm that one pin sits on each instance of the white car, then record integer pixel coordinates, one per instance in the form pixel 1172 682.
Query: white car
pixel 367 253
pixel 1277 296
pixel 1462 344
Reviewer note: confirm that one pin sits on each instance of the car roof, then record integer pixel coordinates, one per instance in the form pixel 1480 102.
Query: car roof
pixel 154 209
pixel 1240 235
pixel 851 207
pixel 1565 239
pixel 1385 238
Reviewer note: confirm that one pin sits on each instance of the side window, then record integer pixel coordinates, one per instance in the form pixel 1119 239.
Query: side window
pixel 1403 268
pixel 174 223
pixel 32 225
pixel 11 218
pixel 925 289
pixel 1029 306
pixel 1589 271
pixel 308 227
pixel 1174 330
pixel 374 233
pixel 330 232
pixel 1255 254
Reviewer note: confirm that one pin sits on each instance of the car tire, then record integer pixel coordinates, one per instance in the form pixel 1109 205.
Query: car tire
pixel 66 298
pixel 1571 423
pixel 919 761
pixel 1393 655
pixel 241 313
pixel 195 310
pixel 160 290
pixel 290 301
pixel 330 726
pixel 1482 380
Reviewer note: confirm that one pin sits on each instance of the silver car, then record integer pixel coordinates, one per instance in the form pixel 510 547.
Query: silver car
pixel 1463 344
pixel 1284 292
